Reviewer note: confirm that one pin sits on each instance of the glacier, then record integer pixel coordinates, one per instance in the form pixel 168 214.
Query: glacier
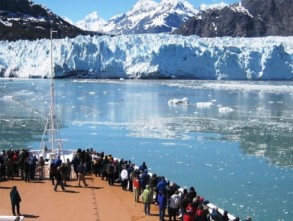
pixel 150 56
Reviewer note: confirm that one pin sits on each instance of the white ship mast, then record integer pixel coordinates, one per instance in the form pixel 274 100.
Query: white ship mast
pixel 51 128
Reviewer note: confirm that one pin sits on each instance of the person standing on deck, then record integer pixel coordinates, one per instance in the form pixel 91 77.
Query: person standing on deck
pixel 191 194
pixel 144 179
pixel 146 199
pixel 10 168
pixel 15 200
pixel 225 216
pixel 52 172
pixel 21 160
pixel 26 170
pixel 81 173
pixel 215 215
pixel 59 180
pixel 183 202
pixel 111 170
pixel 161 187
pixel 136 186
pixel 97 165
pixel 173 205
pixel 75 162
pixel 104 163
pixel 32 166
pixel 153 182
pixel 3 165
pixel 58 162
pixel 142 167
pixel 200 214
pixel 68 165
pixel 162 202
pixel 124 177
pixel 63 170
pixel 41 165
pixel 131 173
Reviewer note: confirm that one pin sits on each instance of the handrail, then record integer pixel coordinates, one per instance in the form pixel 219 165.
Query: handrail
pixel 11 218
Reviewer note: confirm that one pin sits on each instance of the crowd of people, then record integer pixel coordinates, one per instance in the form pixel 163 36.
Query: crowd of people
pixel 173 202
pixel 20 163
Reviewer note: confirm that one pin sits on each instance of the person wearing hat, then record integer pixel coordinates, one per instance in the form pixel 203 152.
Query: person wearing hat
pixel 146 199
pixel 15 200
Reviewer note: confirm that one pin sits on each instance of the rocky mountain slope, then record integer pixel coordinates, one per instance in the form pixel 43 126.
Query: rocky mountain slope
pixel 22 19
pixel 250 18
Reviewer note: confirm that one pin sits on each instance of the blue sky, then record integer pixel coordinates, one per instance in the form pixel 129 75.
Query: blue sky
pixel 78 9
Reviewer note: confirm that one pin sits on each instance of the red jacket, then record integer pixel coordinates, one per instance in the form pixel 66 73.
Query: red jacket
pixel 136 182
pixel 188 216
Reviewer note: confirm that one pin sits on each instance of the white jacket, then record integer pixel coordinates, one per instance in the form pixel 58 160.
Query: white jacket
pixel 124 174
pixel 174 201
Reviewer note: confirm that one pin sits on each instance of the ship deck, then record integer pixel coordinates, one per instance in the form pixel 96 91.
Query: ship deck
pixel 96 202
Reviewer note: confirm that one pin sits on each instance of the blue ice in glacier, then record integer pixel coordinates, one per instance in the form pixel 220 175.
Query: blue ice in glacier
pixel 151 56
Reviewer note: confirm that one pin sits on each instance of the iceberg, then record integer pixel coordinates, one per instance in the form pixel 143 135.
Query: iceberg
pixel 225 109
pixel 204 104
pixel 150 56
pixel 177 101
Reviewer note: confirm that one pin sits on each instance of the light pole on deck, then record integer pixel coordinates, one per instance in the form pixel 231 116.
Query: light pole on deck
pixel 52 109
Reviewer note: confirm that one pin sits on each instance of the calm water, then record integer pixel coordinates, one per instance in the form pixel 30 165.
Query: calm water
pixel 240 160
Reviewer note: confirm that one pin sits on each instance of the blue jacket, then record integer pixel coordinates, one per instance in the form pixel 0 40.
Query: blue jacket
pixel 162 186
pixel 162 200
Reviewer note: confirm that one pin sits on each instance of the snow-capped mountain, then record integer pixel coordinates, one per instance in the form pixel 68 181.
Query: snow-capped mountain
pixel 92 22
pixel 27 20
pixel 147 16
pixel 250 18
pixel 151 56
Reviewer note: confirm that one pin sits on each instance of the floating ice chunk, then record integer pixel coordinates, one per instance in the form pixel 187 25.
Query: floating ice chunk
pixel 204 104
pixel 169 144
pixel 225 110
pixel 8 97
pixel 208 165
pixel 176 101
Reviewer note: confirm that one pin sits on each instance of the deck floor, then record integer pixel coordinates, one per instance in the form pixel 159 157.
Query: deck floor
pixel 96 202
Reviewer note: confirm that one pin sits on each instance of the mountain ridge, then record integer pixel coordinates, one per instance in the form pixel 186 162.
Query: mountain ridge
pixel 250 18
pixel 23 19
pixel 148 16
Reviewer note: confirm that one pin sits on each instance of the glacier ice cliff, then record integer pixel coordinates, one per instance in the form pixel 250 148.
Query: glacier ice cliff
pixel 151 56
